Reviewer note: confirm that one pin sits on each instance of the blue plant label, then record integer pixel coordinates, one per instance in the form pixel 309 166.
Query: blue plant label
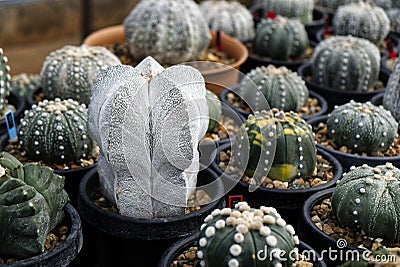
pixel 10 122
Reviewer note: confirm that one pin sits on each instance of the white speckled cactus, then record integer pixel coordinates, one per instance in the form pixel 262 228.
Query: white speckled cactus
pixel 296 9
pixel 346 63
pixel 368 198
pixel 391 96
pixel 362 20
pixel 332 5
pixel 394 17
pixel 22 84
pixel 171 31
pixel 230 17
pixel 4 81
pixel 162 113
pixel 245 236
pixel 69 72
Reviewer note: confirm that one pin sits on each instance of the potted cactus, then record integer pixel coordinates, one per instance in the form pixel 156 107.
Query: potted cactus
pixel 391 97
pixel 361 207
pixel 351 134
pixel 24 83
pixel 34 203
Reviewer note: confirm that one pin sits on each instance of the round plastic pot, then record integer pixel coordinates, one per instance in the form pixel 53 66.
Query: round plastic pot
pixel 377 99
pixel 19 104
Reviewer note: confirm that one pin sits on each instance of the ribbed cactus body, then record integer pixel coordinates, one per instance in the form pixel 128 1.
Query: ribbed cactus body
pixel 346 63
pixel 22 84
pixel 254 146
pixel 171 31
pixel 280 38
pixel 332 5
pixel 32 198
pixel 245 236
pixel 394 17
pixel 229 17
pixel 296 9
pixel 368 198
pixel 55 131
pixel 391 96
pixel 362 20
pixel 280 87
pixel 214 110
pixel 5 87
pixel 362 127
pixel 69 72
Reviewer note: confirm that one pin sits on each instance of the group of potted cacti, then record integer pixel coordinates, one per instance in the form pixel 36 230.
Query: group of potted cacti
pixel 126 158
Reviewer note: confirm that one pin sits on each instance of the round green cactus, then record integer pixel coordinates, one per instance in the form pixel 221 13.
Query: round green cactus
pixel 280 38
pixel 245 236
pixel 295 154
pixel 391 96
pixel 229 17
pixel 368 198
pixel 362 127
pixel 362 20
pixel 69 72
pixel 5 87
pixel 32 198
pixel 296 9
pixel 281 87
pixel 171 31
pixel 56 132
pixel 22 84
pixel 214 110
pixel 346 63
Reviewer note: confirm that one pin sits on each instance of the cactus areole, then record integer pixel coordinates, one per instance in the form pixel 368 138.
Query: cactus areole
pixel 5 87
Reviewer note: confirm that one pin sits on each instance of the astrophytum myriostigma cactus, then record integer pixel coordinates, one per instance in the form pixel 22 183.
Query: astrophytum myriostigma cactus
pixel 246 236
pixel 229 17
pixel 214 110
pixel 162 113
pixel 4 81
pixel 22 84
pixel 55 131
pixel 170 31
pixel 362 20
pixel 362 127
pixel 254 145
pixel 368 198
pixel 280 38
pixel 69 72
pixel 295 9
pixel 280 87
pixel 346 63
pixel 391 96
pixel 32 198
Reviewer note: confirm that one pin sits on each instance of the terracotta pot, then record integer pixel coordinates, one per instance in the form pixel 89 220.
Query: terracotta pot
pixel 19 104
pixel 224 75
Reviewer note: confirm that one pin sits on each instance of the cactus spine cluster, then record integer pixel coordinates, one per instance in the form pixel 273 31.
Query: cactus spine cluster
pixel 69 72
pixel 55 131
pixel 214 110
pixel 245 236
pixel 5 87
pixel 22 84
pixel 346 63
pixel 362 20
pixel 280 38
pixel 170 31
pixel 391 96
pixel 229 17
pixel 295 9
pixel 367 198
pixel 280 87
pixel 254 145
pixel 32 198
pixel 362 127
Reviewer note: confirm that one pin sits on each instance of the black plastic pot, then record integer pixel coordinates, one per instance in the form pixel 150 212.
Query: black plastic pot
pixel 66 252
pixel 287 202
pixel 20 105
pixel 112 237
pixel 377 99
pixel 184 243
pixel 321 100
pixel 338 97
pixel 318 239
pixel 30 99
pixel 347 159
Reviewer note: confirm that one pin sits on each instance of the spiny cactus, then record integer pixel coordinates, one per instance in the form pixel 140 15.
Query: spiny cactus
pixel 346 63
pixel 229 17
pixel 69 72
pixel 391 96
pixel 246 236
pixel 171 31
pixel 32 198
pixel 332 5
pixel 4 81
pixel 362 20
pixel 214 110
pixel 362 127
pixel 281 88
pixel 394 17
pixel 163 114
pixel 295 9
pixel 55 131
pixel 280 38
pixel 368 198
pixel 295 154
pixel 22 84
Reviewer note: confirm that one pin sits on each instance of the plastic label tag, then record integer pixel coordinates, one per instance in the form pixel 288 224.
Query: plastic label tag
pixel 233 200
pixel 10 122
